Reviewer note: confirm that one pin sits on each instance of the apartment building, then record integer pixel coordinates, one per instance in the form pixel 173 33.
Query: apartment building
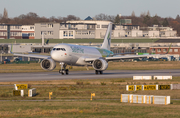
pixel 28 31
pixel 10 31
pixel 50 30
pixel 158 31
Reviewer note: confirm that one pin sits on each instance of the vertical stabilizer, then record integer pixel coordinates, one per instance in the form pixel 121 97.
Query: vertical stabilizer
pixel 107 39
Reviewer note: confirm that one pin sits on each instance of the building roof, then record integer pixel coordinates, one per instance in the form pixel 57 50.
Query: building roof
pixel 88 18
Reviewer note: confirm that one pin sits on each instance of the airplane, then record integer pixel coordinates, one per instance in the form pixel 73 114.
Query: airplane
pixel 77 55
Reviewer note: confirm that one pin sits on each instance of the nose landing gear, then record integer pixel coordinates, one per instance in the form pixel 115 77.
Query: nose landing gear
pixel 63 69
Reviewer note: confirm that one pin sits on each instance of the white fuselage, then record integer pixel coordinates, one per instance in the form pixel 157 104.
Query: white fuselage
pixel 73 54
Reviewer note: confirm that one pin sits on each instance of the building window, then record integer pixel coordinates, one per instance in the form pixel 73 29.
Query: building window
pixel 70 33
pixel 175 50
pixel 159 50
pixel 43 32
pixel 153 50
pixel 78 32
pixel 98 26
pixel 84 32
pixel 170 50
pixel 104 26
pixel 31 34
pixel 65 33
pixel 31 27
pixel 91 32
pixel 164 50
pixel 50 32
pixel 50 25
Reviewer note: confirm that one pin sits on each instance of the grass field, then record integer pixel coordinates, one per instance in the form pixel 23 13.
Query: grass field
pixel 77 40
pixel 106 103
pixel 71 98
pixel 140 65
pixel 87 109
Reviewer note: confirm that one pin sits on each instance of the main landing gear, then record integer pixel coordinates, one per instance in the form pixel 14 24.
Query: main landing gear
pixel 98 71
pixel 63 69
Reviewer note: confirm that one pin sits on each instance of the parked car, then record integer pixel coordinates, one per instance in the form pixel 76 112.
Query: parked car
pixel 6 61
pixel 17 59
pixel 163 59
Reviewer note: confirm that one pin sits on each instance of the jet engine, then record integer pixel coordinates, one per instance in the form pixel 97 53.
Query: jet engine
pixel 48 64
pixel 100 64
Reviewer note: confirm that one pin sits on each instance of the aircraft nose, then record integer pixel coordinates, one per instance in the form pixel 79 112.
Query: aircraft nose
pixel 54 56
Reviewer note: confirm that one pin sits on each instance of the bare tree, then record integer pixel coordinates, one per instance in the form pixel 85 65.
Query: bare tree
pixel 148 14
pixel 105 17
pixel 143 14
pixel 5 15
pixel 133 14
pixel 0 16
pixel 117 19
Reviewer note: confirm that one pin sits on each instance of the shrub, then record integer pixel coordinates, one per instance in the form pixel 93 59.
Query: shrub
pixel 62 88
pixel 103 83
pixel 79 83
pixel 87 83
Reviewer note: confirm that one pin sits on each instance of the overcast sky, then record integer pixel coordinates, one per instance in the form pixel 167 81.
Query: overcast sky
pixel 84 8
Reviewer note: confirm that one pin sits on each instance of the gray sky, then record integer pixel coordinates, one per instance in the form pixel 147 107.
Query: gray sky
pixel 84 8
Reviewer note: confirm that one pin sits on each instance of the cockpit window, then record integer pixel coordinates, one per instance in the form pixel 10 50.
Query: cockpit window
pixel 63 49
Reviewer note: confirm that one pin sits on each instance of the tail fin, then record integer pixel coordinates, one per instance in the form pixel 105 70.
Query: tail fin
pixel 107 39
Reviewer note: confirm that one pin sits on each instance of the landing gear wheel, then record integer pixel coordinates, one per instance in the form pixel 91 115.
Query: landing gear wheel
pixel 101 72
pixel 96 72
pixel 67 71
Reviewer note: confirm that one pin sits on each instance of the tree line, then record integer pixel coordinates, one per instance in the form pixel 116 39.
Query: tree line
pixel 144 20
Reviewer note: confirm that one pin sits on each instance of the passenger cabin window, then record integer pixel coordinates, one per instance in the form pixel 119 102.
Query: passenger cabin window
pixel 63 49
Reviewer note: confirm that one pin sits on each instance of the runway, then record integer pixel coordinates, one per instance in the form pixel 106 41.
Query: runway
pixel 9 77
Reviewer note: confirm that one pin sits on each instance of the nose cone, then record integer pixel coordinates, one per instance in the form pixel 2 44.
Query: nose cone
pixel 54 55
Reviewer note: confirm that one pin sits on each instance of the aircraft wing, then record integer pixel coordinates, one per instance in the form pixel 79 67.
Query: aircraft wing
pixel 126 57
pixel 33 56
pixel 118 58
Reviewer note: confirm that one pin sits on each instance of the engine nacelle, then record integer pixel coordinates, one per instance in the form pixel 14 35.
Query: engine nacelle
pixel 100 64
pixel 48 64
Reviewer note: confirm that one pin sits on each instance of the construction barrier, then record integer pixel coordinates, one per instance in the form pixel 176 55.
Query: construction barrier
pixel 161 100
pixel 142 78
pixel 32 92
pixel 162 77
pixel 20 86
pixel 145 99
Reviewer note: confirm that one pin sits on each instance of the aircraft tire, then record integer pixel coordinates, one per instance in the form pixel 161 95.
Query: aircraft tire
pixel 67 71
pixel 101 72
pixel 96 72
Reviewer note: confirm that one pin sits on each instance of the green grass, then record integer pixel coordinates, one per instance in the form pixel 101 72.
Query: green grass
pixel 77 40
